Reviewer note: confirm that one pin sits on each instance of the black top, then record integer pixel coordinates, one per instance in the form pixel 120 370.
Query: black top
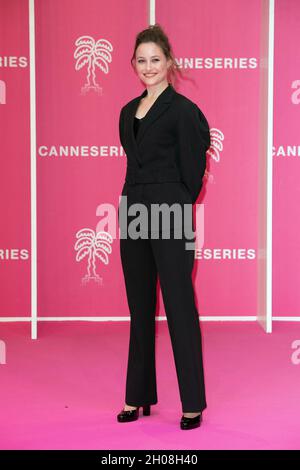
pixel 137 124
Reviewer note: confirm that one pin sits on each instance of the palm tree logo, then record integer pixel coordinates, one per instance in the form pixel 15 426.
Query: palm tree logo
pixel 92 245
pixel 215 149
pixel 94 54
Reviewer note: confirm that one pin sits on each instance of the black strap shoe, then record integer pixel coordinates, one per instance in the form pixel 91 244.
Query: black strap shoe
pixel 190 423
pixel 132 415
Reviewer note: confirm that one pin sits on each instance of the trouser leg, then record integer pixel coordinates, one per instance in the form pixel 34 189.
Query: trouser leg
pixel 140 276
pixel 174 264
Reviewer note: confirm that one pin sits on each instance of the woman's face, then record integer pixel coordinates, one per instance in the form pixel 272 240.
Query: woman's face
pixel 151 63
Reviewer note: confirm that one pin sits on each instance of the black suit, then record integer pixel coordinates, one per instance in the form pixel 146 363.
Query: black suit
pixel 165 164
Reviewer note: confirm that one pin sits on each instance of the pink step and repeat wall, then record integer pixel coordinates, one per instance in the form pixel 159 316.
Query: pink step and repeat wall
pixel 81 165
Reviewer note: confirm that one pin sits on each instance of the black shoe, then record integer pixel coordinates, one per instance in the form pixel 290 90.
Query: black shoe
pixel 132 415
pixel 190 423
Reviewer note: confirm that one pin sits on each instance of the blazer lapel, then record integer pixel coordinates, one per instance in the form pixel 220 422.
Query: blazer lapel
pixel 160 105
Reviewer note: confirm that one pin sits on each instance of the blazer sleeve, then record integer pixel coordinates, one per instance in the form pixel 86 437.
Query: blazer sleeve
pixel 193 142
pixel 121 126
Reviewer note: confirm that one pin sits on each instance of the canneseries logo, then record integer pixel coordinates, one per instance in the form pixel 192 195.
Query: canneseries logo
pixel 90 247
pixel 10 62
pixel 215 149
pixel 91 54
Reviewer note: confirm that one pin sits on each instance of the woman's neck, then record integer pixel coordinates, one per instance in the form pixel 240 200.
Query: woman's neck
pixel 153 92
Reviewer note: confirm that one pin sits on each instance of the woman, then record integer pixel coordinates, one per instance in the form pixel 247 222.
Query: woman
pixel 165 136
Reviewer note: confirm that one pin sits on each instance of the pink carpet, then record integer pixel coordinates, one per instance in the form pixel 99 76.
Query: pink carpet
pixel 64 390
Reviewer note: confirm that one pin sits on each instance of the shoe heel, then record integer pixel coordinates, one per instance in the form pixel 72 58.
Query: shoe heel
pixel 146 410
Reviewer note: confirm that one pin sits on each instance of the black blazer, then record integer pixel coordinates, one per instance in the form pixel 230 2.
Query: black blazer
pixel 170 149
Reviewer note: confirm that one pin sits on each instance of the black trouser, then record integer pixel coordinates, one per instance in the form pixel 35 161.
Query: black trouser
pixel 142 260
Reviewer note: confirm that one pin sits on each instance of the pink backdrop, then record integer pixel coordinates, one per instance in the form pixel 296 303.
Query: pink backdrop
pixel 14 160
pixel 217 43
pixel 286 160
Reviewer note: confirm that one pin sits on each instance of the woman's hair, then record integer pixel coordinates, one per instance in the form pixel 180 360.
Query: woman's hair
pixel 155 33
